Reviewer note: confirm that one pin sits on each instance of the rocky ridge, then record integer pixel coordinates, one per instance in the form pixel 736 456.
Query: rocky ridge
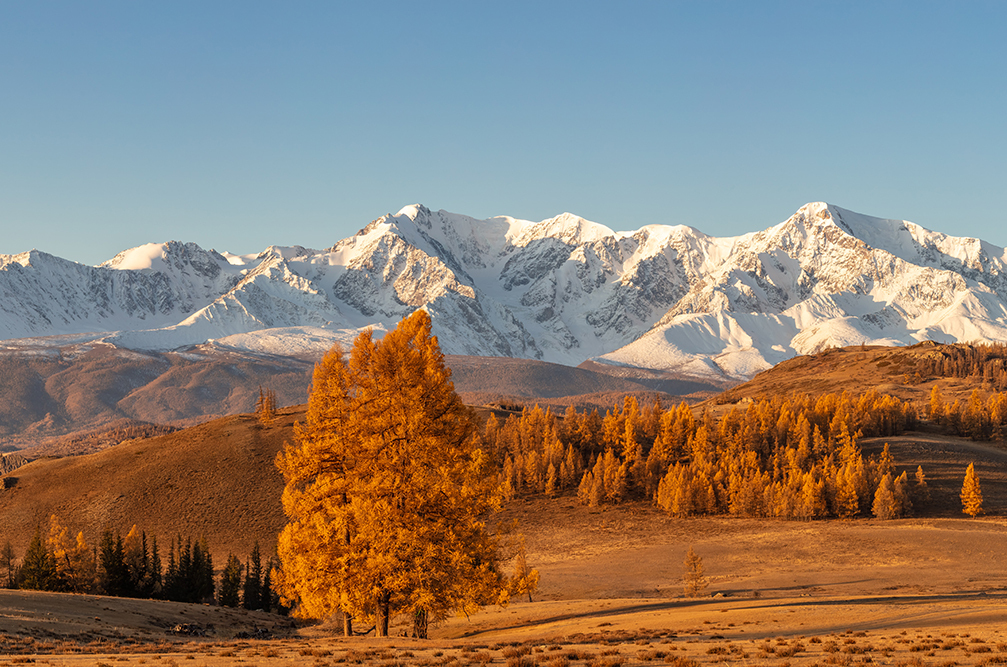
pixel 563 290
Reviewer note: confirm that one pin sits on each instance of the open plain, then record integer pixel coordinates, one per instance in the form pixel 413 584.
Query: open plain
pixel 914 592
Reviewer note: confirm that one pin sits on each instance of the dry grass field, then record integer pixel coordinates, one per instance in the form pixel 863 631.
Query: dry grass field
pixel 929 590
pixel 910 592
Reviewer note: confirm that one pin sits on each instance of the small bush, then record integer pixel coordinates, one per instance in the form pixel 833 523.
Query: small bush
pixel 514 651
pixel 680 661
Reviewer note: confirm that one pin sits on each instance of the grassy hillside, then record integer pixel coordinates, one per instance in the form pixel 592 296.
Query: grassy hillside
pixel 216 479
pixel 904 372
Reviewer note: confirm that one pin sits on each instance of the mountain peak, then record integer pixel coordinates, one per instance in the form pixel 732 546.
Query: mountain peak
pixel 563 289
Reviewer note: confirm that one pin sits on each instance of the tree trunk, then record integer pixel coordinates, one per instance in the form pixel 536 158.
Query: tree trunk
pixel 381 627
pixel 420 623
pixel 347 625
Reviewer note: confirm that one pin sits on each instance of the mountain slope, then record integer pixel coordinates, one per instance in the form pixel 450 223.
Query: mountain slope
pixel 828 277
pixel 563 290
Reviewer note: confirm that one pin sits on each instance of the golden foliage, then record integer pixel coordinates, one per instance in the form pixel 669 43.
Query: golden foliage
pixel 75 564
pixel 972 495
pixel 265 406
pixel 385 487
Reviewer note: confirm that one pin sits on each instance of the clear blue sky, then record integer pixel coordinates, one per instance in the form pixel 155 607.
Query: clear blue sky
pixel 242 124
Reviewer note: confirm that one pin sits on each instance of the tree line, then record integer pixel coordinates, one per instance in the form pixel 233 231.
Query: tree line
pixel 132 566
pixel 791 457
pixel 979 418
pixel 983 362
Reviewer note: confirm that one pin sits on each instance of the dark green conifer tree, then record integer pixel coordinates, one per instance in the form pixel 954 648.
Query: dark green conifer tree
pixel 38 569
pixel 252 594
pixel 230 582
pixel 7 562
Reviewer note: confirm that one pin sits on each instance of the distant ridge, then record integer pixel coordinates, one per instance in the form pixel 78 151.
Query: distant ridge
pixel 562 290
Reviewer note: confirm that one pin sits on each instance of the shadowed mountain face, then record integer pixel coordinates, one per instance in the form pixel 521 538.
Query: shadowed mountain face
pixel 563 290
pixel 76 389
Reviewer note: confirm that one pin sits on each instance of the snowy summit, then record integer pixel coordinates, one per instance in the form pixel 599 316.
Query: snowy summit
pixel 563 290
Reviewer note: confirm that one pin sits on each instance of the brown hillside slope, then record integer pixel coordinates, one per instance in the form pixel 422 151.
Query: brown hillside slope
pixel 82 387
pixel 888 370
pixel 216 479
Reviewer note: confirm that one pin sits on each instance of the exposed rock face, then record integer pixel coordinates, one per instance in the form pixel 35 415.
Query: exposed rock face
pixel 562 290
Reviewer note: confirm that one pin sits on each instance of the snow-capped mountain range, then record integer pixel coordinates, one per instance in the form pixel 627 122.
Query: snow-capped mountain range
pixel 563 290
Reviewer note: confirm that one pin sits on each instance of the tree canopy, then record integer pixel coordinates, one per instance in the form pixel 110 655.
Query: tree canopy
pixel 386 487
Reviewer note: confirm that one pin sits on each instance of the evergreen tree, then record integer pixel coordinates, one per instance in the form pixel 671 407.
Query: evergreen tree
pixel 113 575
pixel 971 495
pixel 9 565
pixel 230 582
pixel 201 584
pixel 38 568
pixel 269 602
pixel 136 558
pixel 169 587
pixel 252 594
pixel 157 581
pixel 385 488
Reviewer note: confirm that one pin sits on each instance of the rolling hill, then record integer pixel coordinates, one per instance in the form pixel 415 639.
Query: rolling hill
pixel 218 478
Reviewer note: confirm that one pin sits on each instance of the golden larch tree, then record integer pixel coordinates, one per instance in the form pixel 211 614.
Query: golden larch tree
pixel 695 579
pixel 385 489
pixel 971 495
pixel 885 504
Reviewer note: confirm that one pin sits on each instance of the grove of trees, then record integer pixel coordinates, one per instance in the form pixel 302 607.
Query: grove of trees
pixel 132 566
pixel 793 457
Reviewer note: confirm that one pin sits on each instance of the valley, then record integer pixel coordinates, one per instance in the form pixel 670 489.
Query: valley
pixel 926 589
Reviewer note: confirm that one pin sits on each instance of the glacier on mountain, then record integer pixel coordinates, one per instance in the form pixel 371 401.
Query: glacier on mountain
pixel 563 290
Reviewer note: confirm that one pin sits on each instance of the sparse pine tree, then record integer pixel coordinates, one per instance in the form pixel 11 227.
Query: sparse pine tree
pixel 903 502
pixel 525 579
pixel 920 490
pixel 886 464
pixel 936 405
pixel 972 495
pixel 694 577
pixel 265 406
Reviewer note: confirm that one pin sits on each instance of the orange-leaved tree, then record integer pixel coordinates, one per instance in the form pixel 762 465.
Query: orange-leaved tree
pixel 971 495
pixel 386 488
